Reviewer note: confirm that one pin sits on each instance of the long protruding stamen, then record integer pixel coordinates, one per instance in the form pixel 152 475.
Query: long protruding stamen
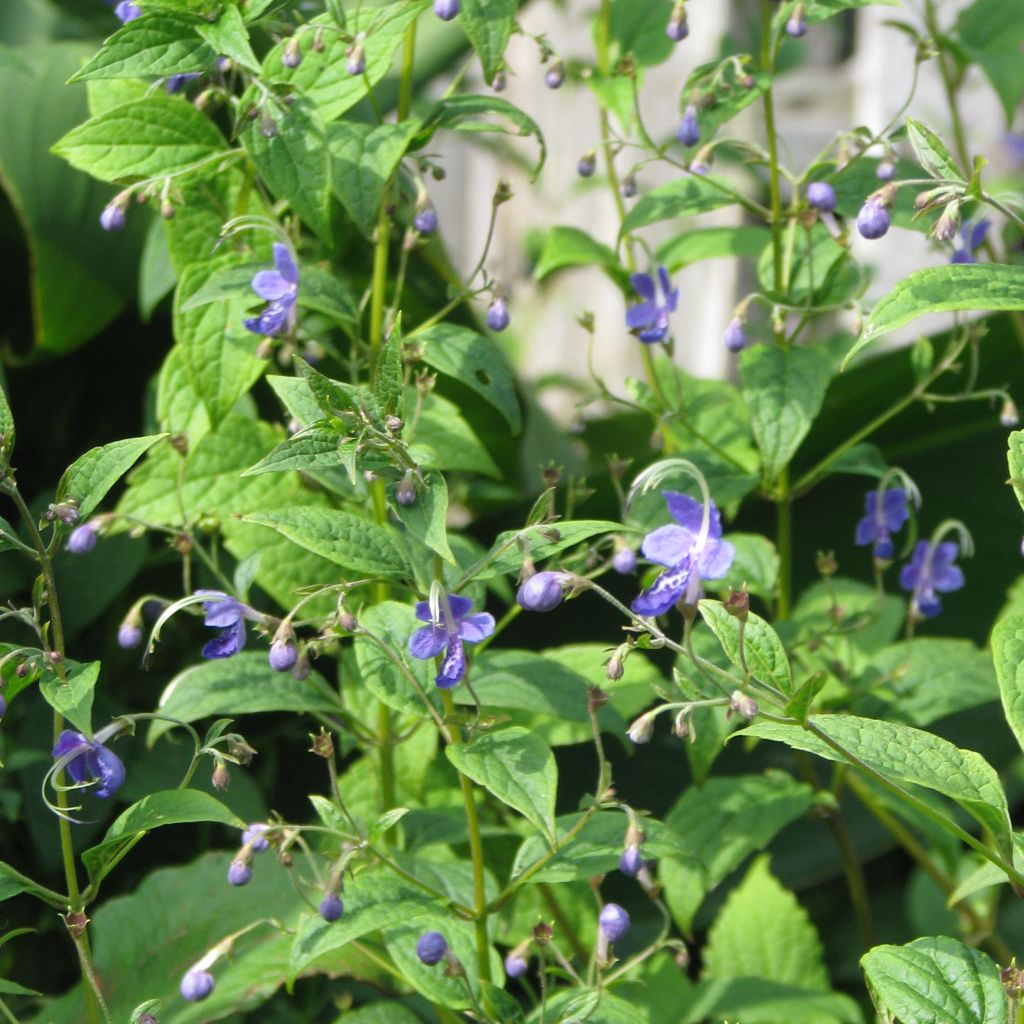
pixel 654 474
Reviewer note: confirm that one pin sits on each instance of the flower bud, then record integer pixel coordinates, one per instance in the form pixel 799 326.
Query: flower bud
pixel 500 82
pixel 129 635
pixel 112 217
pixel 886 170
pixel 291 55
pixel 331 907
pixel 826 563
pixel 541 592
pixel 873 220
pixel 677 28
pixel 348 621
pixel 83 538
pixel 355 63
pixel 425 221
pixel 946 226
pixel 283 655
pixel 688 132
pixel 221 777
pixel 743 705
pixel 681 725
pixel 196 985
pixel 542 933
pixel 446 9
pixel 515 965
pixel 821 196
pixel 631 861
pixel 735 338
pixel 627 188
pixel 1008 415
pixel 405 491
pixel 555 75
pixel 255 838
pixel 268 126
pixel 613 922
pixel 431 948
pixel 497 314
pixel 737 604
pixel 624 561
pixel 323 744
pixel 642 729
pixel 614 669
pixel 797 24
pixel 239 873
pixel 587 164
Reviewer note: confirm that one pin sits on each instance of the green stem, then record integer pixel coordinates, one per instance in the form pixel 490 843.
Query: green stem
pixel 476 848
pixel 406 81
pixel 784 544
pixel 767 65
pixel 6 1011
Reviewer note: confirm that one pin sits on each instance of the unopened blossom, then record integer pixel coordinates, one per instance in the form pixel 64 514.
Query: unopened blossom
pixel 541 592
pixel 196 985
pixel 127 10
pixel 882 519
pixel 929 573
pixel 688 132
pixel 649 319
pixel 331 907
pixel 453 627
pixel 431 948
pixel 873 221
pixel 280 288
pixel 89 761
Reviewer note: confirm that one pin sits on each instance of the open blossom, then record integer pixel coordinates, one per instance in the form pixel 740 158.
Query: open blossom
pixel 689 554
pixel 227 615
pixel 448 633
pixel 970 238
pixel 649 319
pixel 89 761
pixel 931 571
pixel 882 519
pixel 280 287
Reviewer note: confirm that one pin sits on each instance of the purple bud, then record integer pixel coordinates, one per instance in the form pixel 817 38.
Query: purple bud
pixel 797 24
pixel 239 873
pixel 282 656
pixel 356 62
pixel 630 863
pixel 405 492
pixel 689 131
pixel 446 9
pixel 614 922
pixel 624 561
pixel 425 221
pixel 83 538
pixel 873 220
pixel 3 706
pixel 196 985
pixel 331 907
pixel 587 165
pixel 127 10
pixel 129 635
pixel 821 196
pixel 499 82
pixel 497 315
pixel 677 28
pixel 628 187
pixel 431 948
pixel 112 217
pixel 886 170
pixel 291 55
pixel 254 838
pixel 555 75
pixel 541 592
pixel 515 965
pixel 735 338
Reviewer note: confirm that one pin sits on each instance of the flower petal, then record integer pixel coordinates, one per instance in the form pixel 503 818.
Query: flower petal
pixel 666 590
pixel 643 285
pixel 109 771
pixel 270 285
pixel 284 261
pixel 689 512
pixel 668 545
pixel 428 642
pixel 978 233
pixel 474 628
pixel 867 530
pixel 460 606
pixel 894 508
pixel 641 315
pixel 453 668
pixel 224 612
pixel 227 642
pixel 423 611
pixel 714 560
pixel 270 321
pixel 68 741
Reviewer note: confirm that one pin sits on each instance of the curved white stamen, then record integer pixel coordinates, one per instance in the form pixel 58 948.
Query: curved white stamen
pixel 652 476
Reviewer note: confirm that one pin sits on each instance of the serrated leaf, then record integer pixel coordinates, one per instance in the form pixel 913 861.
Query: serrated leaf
pixel 88 479
pixel 348 540
pixel 224 280
pixel 990 33
pixel 364 158
pixel 1015 458
pixel 229 37
pixel 684 197
pixel 988 287
pixel 155 46
pixel 426 518
pixel 166 807
pixel 440 438
pixel 763 932
pixel 1008 656
pixel 239 685
pixel 460 113
pixel 388 379
pixel 324 292
pixel 505 557
pixel 488 25
pixel 6 424
pixel 295 162
pixel 905 754
pixel 515 766
pixel 316 447
pixel 475 361
pixel 784 389
pixel 756 1001
pixel 762 649
pixel 150 138
pixel 73 699
pixel 931 152
pixel 571 247
pixel 937 979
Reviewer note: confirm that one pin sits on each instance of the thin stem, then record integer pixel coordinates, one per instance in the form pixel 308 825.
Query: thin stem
pixel 406 81
pixel 8 1015
pixel 767 65
pixel 784 544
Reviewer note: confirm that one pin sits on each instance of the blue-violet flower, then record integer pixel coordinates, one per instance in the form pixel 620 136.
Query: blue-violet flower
pixel 873 221
pixel 515 965
pixel 279 287
pixel 613 921
pixel 227 615
pixel 649 319
pixel 127 10
pixel 89 761
pixel 821 196
pixel 688 132
pixel 931 570
pixel 971 237
pixel 446 9
pixel 83 538
pixel 448 633
pixel 882 519
pixel 497 314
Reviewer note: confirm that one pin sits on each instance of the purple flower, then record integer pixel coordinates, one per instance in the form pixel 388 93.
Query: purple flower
pixel 613 921
pixel 689 553
pixel 624 561
pixel 177 82
pixel 283 655
pixel 431 948
pixel 239 873
pixel 882 519
pixel 873 220
pixel 112 217
pixel 425 221
pixel 456 626
pixel 279 287
pixel 735 338
pixel 331 907
pixel 497 314
pixel 515 965
pixel 649 319
pixel 688 132
pixel 931 569
pixel 821 196
pixel 90 762
pixel 129 635
pixel 83 538
pixel 541 592
pixel 971 237
pixel 3 706
pixel 127 10
pixel 196 985
pixel 254 838
pixel 886 170
pixel 227 615
pixel 446 9
pixel 631 861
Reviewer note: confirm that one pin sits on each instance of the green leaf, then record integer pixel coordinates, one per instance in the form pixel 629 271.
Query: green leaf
pixel 357 544
pixel 1008 655
pixel 295 162
pixel 150 138
pixel 488 24
pixel 515 766
pixel 683 197
pixel 229 37
pixel 441 439
pixel 905 754
pixel 980 286
pixel 724 821
pixel 784 389
pixel 13 883
pixel 218 353
pixel 73 699
pixel 151 47
pixel 425 519
pixel 937 979
pixel 505 557
pixel 931 152
pixel 639 30
pixel 316 447
pixel 388 378
pixel 713 243
pixel 756 1001
pixel 990 32
pixel 166 807
pixel 322 76
pixel 244 684
pixel 156 275
pixel 755 565
pixel 324 292
pixel 1015 457
pixel 459 113
pixel 762 649
pixel 6 425
pixel 89 478
pixel 475 361
pixel 373 900
pixel 571 247
pixel 364 158
pixel 762 932
pixel 225 280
